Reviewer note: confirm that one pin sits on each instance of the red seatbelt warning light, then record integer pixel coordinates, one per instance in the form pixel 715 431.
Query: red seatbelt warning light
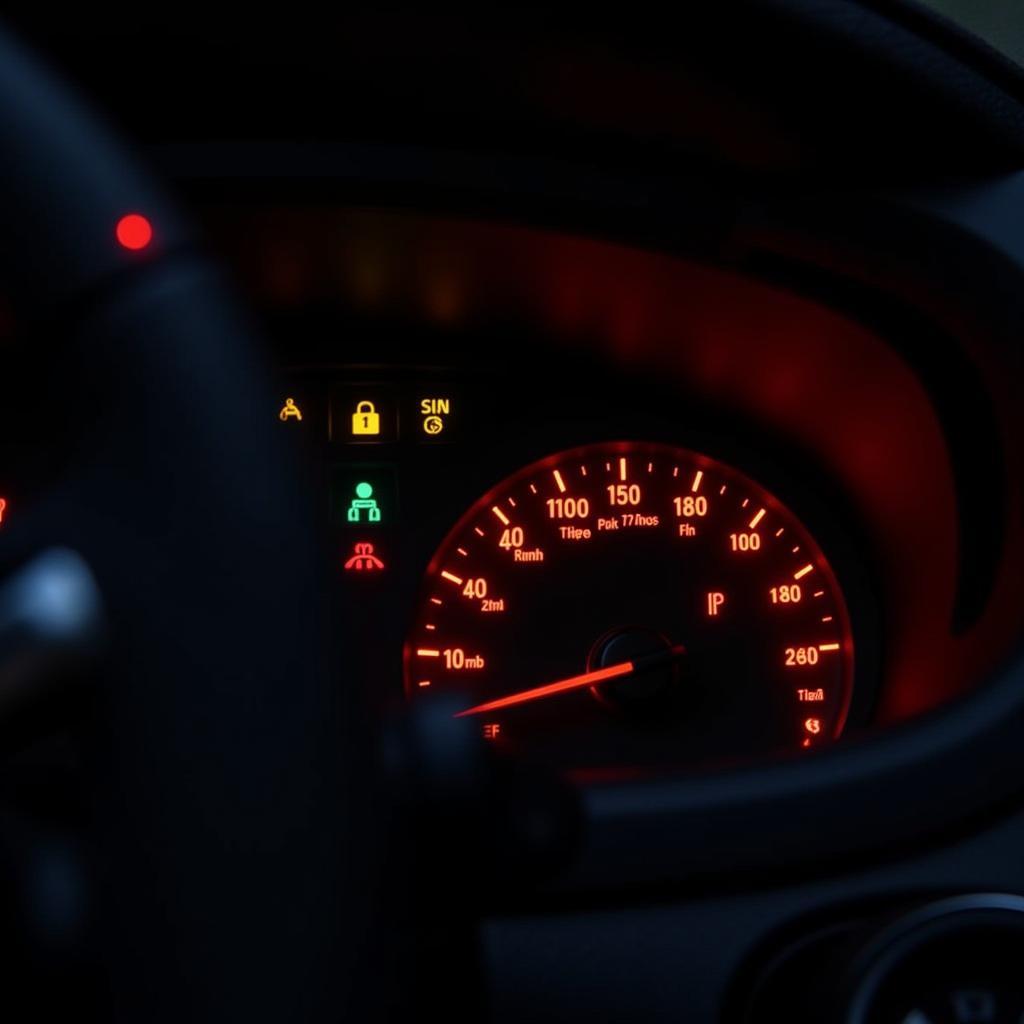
pixel 363 560
pixel 134 231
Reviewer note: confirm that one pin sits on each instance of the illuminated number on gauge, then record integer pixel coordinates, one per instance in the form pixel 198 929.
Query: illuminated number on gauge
pixel 475 588
pixel 624 494
pixel 745 541
pixel 511 538
pixel 690 506
pixel 456 659
pixel 787 594
pixel 568 508
pixel 801 656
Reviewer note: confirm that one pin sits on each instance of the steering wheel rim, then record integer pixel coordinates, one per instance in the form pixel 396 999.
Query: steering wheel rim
pixel 231 882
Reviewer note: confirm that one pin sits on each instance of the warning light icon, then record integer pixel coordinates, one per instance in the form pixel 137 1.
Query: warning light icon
pixel 364 501
pixel 290 411
pixel 366 419
pixel 363 560
pixel 434 414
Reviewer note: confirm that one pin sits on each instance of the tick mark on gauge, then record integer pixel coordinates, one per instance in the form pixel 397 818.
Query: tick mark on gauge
pixel 451 577
pixel 559 481
pixel 436 600
pixel 828 647
pixel 746 502
pixel 533 488
pixel 502 518
pixel 478 531
pixel 427 652
pixel 462 551
pixel 697 477
pixel 622 468
pixel 723 489
pixel 757 518
pixel 801 573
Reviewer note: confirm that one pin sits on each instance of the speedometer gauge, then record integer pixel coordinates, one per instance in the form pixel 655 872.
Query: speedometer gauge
pixel 630 604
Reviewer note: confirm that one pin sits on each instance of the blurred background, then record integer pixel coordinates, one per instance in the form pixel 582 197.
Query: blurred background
pixel 999 22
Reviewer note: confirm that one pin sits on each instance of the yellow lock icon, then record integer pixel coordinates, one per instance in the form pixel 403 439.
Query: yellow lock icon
pixel 366 419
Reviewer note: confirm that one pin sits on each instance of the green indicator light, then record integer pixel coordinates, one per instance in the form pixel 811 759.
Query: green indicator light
pixel 364 501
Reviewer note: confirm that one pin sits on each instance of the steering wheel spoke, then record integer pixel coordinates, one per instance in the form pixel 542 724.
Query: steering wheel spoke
pixel 232 842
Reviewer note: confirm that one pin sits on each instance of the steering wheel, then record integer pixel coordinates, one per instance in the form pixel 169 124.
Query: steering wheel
pixel 233 858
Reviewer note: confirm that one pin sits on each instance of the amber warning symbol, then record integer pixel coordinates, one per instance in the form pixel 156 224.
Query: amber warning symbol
pixel 434 412
pixel 290 411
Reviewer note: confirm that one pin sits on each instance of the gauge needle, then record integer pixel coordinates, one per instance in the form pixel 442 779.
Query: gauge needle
pixel 623 668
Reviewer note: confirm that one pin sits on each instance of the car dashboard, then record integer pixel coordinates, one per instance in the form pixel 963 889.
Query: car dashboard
pixel 429 360
pixel 691 499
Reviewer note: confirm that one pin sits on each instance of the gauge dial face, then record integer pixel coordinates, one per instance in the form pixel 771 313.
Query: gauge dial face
pixel 630 605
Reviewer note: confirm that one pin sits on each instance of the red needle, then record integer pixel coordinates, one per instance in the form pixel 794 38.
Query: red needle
pixel 623 668
pixel 572 683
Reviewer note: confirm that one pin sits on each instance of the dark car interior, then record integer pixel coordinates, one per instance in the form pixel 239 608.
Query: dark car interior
pixel 513 517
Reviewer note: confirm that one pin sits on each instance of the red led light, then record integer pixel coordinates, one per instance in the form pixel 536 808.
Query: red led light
pixel 134 231
pixel 3 509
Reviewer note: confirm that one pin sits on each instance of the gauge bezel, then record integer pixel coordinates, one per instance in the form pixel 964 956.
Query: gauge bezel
pixel 856 702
